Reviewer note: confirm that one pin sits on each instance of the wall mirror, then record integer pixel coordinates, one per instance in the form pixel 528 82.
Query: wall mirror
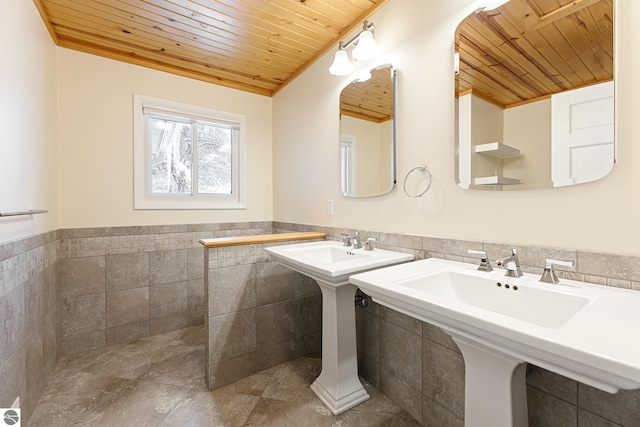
pixel 535 94
pixel 368 134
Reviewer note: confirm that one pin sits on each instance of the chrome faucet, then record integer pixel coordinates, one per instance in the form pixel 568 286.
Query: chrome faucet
pixel 485 264
pixel 346 239
pixel 511 264
pixel 357 244
pixel 549 274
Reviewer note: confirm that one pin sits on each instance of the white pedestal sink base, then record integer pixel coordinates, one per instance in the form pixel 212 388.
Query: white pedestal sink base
pixel 338 385
pixel 338 406
pixel 331 264
pixel 495 387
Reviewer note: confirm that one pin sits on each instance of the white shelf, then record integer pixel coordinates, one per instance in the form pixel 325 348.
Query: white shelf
pixel 496 180
pixel 497 149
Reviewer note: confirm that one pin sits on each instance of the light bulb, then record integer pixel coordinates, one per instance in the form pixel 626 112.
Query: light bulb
pixel 366 47
pixel 341 64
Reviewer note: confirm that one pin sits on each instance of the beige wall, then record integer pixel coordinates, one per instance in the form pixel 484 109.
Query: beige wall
pixel 600 216
pixel 28 165
pixel 365 152
pixel 385 156
pixel 372 154
pixel 528 128
pixel 95 128
pixel 96 142
pixel 487 124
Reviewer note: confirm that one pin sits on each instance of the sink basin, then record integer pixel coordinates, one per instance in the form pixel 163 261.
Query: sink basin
pixel 330 254
pixel 332 262
pixel 498 296
pixel 582 331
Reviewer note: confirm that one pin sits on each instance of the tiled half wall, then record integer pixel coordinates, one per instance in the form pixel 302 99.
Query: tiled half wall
pixel 259 313
pixel 28 319
pixel 72 290
pixel 124 283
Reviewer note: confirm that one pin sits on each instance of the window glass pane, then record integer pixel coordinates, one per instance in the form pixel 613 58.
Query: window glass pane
pixel 171 156
pixel 187 157
pixel 215 144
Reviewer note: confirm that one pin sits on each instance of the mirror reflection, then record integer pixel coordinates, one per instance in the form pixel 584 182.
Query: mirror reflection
pixel 367 134
pixel 535 94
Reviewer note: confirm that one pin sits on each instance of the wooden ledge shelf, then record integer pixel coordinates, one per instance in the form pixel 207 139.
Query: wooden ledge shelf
pixel 260 238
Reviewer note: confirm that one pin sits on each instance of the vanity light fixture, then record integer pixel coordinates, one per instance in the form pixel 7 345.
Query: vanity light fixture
pixel 365 48
pixel 342 65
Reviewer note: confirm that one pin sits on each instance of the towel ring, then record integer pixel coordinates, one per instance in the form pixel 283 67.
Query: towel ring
pixel 421 169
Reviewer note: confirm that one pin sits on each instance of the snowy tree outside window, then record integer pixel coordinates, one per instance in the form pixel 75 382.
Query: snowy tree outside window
pixel 189 158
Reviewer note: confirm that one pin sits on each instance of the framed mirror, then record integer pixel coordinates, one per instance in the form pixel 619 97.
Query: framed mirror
pixel 368 134
pixel 535 94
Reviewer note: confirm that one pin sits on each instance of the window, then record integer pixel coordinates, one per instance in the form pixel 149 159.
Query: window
pixel 187 157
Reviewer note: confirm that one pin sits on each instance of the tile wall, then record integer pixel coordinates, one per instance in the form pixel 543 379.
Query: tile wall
pixel 117 284
pixel 259 314
pixel 28 319
pixel 420 367
pixel 124 283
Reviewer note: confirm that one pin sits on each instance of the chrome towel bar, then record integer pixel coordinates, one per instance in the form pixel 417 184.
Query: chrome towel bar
pixel 29 212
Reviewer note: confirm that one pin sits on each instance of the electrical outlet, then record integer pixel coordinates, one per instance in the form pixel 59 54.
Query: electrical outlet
pixel 330 207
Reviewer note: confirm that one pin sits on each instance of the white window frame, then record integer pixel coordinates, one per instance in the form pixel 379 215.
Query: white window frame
pixel 143 198
pixel 347 164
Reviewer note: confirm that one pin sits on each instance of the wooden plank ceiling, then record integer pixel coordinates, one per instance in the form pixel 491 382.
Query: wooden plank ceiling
pixel 371 100
pixel 257 46
pixel 529 49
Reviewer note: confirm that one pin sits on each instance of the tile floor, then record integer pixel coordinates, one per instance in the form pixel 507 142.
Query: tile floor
pixel 159 381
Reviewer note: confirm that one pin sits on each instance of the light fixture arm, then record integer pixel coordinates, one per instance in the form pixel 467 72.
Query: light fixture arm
pixel 365 49
pixel 366 26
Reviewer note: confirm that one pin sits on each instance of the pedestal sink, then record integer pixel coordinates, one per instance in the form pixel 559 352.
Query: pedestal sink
pixel 583 331
pixel 330 264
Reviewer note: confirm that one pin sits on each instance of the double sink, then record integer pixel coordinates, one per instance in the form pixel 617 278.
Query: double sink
pixel 583 331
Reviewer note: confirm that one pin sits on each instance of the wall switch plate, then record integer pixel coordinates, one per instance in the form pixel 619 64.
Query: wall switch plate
pixel 330 207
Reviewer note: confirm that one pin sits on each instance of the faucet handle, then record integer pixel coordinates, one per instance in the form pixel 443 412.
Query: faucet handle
pixel 346 239
pixel 368 245
pixel 549 274
pixel 485 264
pixel 549 262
